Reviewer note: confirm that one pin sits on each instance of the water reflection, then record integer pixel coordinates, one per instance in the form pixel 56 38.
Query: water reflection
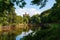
pixel 11 35
pixel 23 34
pixel 17 33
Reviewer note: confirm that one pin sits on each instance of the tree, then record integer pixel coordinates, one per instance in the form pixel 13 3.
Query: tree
pixel 8 4
pixel 7 10
pixel 19 19
pixel 35 19
pixel 26 18
pixel 11 16
pixel 55 14
pixel 53 32
pixel 48 34
pixel 40 3
pixel 45 16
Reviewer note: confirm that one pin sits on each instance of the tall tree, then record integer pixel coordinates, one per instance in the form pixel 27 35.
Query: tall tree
pixel 26 18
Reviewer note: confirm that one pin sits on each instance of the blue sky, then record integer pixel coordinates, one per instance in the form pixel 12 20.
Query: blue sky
pixel 33 9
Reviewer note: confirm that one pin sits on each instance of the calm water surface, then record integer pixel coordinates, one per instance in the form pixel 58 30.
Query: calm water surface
pixel 23 34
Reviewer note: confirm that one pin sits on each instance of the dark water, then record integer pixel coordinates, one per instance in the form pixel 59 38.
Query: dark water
pixel 23 34
pixel 16 34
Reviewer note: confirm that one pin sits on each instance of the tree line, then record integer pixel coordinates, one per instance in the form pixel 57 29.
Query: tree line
pixel 49 19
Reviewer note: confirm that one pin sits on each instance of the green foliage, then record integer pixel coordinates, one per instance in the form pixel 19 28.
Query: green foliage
pixel 45 16
pixel 53 14
pixel 48 16
pixel 8 4
pixel 35 19
pixel 40 3
pixel 19 19
pixel 26 18
pixel 8 16
pixel 46 34
pixel 7 11
pixel 9 36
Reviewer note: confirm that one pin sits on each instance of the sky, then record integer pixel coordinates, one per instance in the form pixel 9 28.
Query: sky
pixel 33 9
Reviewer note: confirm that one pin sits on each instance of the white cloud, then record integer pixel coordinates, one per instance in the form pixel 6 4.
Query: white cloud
pixel 30 11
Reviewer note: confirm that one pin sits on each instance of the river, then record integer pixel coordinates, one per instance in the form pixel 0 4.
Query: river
pixel 23 34
pixel 17 34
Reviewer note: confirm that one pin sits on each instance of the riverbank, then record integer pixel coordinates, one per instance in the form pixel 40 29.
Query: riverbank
pixel 18 26
pixel 10 32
